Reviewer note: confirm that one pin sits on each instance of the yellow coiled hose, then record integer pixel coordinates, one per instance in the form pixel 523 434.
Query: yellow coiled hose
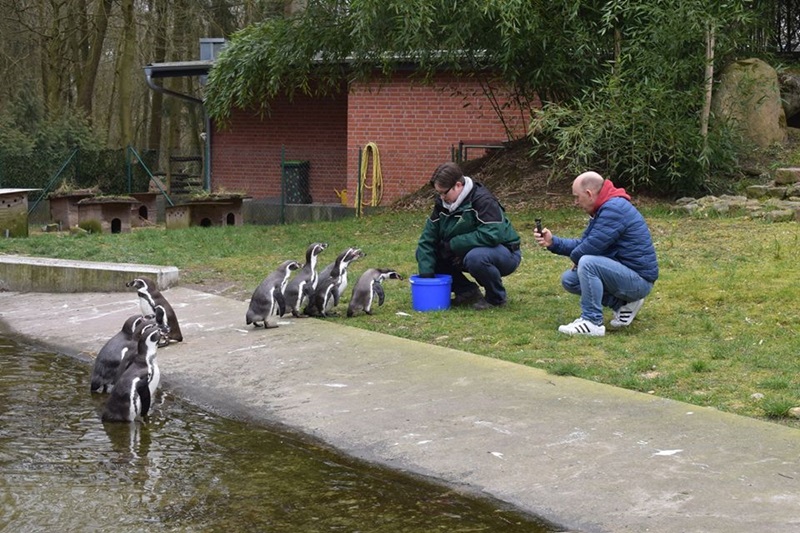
pixel 375 187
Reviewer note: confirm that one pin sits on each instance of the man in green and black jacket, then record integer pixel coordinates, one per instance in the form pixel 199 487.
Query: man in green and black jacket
pixel 468 231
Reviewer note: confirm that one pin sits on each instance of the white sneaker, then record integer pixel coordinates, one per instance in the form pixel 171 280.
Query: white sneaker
pixel 581 326
pixel 625 314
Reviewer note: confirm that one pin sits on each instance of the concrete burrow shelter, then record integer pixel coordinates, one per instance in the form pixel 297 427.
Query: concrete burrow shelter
pixel 14 212
pixel 113 213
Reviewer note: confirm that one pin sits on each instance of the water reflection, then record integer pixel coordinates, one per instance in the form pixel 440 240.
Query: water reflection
pixel 62 469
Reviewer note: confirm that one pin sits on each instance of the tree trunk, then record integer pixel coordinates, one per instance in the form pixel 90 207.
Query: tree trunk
pixel 90 63
pixel 159 28
pixel 125 69
pixel 50 58
pixel 709 80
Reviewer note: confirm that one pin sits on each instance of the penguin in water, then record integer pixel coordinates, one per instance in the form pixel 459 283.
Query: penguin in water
pixel 136 387
pixel 150 298
pixel 107 362
pixel 369 286
pixel 268 299
pixel 330 288
pixel 158 321
pixel 305 282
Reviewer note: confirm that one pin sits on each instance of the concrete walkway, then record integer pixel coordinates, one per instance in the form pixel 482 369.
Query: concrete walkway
pixel 588 457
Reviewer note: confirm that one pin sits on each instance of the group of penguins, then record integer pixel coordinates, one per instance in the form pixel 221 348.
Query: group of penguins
pixel 126 367
pixel 311 294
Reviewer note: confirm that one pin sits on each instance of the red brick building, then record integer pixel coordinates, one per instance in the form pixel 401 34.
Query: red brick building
pixel 414 126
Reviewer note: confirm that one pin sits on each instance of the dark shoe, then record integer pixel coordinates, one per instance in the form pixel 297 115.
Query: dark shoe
pixel 483 304
pixel 466 298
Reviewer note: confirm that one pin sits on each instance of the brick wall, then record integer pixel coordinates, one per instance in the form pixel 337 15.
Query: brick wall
pixel 414 127
pixel 246 156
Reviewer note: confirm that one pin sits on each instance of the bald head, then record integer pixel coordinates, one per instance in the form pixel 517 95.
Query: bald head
pixel 585 189
pixel 589 180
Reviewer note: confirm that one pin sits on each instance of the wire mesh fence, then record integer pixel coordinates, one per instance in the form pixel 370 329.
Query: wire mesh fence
pixel 110 171
pixel 286 199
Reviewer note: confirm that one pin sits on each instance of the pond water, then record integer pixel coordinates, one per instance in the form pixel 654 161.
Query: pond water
pixel 62 469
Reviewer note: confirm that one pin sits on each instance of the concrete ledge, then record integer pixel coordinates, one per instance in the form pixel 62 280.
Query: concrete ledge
pixel 41 274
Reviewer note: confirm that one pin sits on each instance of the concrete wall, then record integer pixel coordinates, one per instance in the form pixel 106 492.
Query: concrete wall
pixel 40 274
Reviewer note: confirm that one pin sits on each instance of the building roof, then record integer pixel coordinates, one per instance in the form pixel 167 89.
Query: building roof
pixel 16 191
pixel 179 68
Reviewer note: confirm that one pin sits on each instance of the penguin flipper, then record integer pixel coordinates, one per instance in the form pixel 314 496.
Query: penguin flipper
pixel 281 301
pixel 377 289
pixel 175 334
pixel 127 359
pixel 143 390
pixel 97 385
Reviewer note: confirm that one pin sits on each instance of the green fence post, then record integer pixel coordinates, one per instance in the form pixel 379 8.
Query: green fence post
pixel 283 184
pixel 128 168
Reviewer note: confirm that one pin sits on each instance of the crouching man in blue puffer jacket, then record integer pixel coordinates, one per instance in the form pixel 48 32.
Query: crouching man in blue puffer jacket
pixel 613 263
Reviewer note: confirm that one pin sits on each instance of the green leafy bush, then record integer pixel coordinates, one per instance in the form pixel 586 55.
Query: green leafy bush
pixel 91 226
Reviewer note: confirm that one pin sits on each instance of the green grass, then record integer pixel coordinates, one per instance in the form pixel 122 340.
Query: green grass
pixel 721 324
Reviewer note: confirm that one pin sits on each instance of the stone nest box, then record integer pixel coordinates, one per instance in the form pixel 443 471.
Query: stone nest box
pixel 14 212
pixel 113 213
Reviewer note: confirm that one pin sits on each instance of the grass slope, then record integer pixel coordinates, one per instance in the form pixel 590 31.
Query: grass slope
pixel 720 326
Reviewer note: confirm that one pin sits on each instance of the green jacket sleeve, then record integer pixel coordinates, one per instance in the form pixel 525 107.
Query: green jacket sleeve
pixel 427 246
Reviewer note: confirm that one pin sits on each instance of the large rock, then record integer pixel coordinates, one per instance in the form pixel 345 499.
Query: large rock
pixel 748 97
pixel 790 93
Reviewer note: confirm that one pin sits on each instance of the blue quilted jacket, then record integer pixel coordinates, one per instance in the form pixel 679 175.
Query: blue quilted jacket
pixel 617 231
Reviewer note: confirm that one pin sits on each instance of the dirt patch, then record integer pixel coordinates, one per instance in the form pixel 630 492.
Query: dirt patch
pixel 518 180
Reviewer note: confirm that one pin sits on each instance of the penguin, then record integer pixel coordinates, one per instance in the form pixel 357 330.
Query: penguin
pixel 136 387
pixel 305 282
pixel 368 286
pixel 267 299
pixel 158 321
pixel 325 298
pixel 149 298
pixel 330 288
pixel 350 255
pixel 107 362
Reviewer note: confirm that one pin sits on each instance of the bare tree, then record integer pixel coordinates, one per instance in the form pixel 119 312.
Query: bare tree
pixel 124 74
pixel 157 29
pixel 89 46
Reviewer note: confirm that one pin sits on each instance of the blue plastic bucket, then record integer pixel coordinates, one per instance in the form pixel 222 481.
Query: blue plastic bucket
pixel 431 294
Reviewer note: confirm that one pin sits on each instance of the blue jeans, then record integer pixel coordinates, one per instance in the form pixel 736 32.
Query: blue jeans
pixel 487 266
pixel 601 281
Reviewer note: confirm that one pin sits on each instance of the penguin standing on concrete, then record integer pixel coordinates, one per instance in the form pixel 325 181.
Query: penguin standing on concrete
pixel 150 298
pixel 330 287
pixel 136 387
pixel 367 288
pixel 305 282
pixel 268 299
pixel 107 362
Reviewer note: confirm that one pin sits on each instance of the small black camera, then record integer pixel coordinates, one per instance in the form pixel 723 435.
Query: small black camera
pixel 539 226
